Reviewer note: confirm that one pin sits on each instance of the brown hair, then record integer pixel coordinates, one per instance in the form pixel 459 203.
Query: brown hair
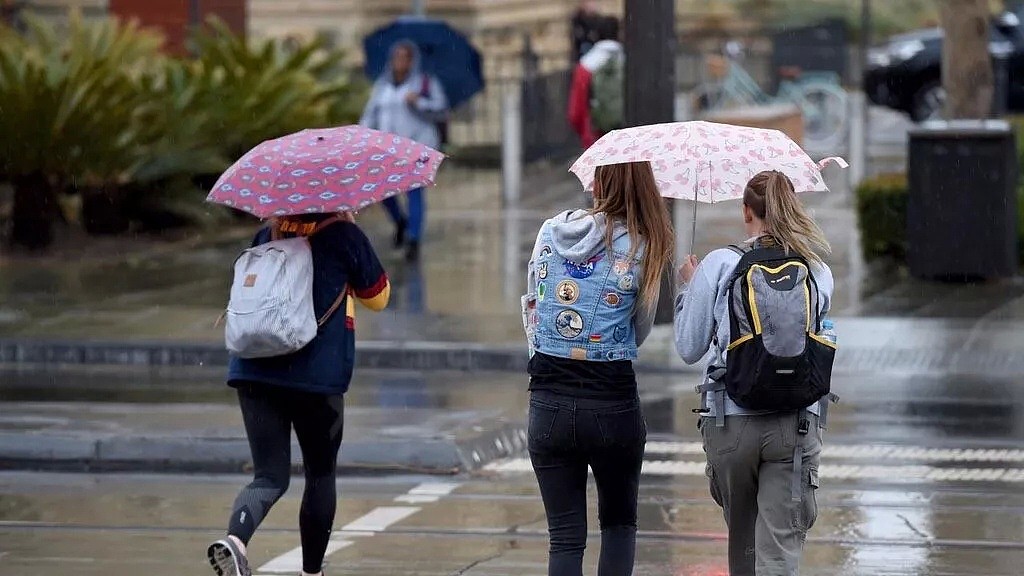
pixel 629 193
pixel 771 197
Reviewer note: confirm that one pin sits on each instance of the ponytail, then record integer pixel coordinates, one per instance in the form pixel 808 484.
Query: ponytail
pixel 772 198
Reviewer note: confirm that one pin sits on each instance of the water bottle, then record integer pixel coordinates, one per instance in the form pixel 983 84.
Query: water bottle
pixel 828 331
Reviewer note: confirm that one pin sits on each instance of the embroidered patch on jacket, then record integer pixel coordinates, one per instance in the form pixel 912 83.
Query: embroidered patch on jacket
pixel 567 292
pixel 569 324
pixel 542 289
pixel 545 251
pixel 619 334
pixel 621 267
pixel 581 271
pixel 578 354
pixel 595 338
pixel 250 281
pixel 626 283
pixel 612 299
pixel 542 270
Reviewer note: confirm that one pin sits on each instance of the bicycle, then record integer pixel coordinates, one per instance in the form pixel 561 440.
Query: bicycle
pixel 818 95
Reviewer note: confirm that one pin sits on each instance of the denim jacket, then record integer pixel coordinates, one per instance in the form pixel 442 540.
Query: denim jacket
pixel 582 299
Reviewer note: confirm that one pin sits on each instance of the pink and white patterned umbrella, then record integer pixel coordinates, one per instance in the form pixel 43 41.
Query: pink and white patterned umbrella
pixel 325 170
pixel 704 161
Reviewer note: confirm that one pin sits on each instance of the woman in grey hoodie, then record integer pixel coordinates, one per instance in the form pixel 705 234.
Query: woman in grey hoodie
pixel 592 288
pixel 408 102
pixel 767 495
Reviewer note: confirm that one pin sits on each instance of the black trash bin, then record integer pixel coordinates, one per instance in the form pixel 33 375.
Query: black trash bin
pixel 962 210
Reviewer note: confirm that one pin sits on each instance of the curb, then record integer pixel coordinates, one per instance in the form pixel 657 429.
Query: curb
pixel 460 356
pixel 231 455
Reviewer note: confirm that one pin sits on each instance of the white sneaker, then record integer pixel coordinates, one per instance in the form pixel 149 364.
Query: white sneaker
pixel 227 560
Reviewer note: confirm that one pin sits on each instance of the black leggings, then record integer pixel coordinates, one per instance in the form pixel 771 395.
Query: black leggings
pixel 270 413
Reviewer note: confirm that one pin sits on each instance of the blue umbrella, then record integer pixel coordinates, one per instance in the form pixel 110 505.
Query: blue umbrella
pixel 445 53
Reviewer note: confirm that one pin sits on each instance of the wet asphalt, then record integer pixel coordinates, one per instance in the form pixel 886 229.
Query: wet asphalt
pixel 922 475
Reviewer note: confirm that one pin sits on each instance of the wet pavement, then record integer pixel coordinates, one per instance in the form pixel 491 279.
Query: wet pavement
pixel 923 468
pixel 923 474
pixel 121 525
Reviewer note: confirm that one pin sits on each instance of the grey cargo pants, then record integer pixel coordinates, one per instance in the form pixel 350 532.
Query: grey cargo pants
pixel 750 470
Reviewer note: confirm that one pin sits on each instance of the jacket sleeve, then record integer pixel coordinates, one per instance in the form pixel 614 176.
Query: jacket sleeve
pixel 579 104
pixel 367 278
pixel 695 316
pixel 433 106
pixel 371 114
pixel 531 280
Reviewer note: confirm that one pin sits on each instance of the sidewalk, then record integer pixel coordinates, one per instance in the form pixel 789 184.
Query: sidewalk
pixel 130 420
pixel 458 309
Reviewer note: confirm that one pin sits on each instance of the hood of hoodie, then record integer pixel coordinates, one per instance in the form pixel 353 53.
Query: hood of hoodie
pixel 414 69
pixel 601 53
pixel 579 235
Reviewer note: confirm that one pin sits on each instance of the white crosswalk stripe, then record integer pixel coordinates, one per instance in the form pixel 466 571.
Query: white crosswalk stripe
pixel 870 452
pixel 826 471
pixel 843 462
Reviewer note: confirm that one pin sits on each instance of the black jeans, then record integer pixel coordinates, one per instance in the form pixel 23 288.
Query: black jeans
pixel 567 435
pixel 270 413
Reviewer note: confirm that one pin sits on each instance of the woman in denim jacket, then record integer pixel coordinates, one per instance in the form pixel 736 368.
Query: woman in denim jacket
pixel 593 283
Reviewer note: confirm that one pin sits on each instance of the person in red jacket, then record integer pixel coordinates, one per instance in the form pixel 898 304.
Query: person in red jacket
pixel 580 94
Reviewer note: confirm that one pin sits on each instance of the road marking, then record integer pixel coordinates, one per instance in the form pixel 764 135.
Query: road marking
pixel 427 492
pixel 291 562
pixel 870 452
pixel 378 519
pixel 827 471
pixel 374 521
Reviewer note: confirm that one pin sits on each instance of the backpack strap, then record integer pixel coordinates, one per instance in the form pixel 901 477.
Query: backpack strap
pixel 334 307
pixel 739 249
pixel 803 427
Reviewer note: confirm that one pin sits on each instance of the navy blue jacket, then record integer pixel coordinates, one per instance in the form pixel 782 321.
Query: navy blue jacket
pixel 343 259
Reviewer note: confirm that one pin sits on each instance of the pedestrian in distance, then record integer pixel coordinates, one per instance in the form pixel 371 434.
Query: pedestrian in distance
pixel 592 289
pixel 597 93
pixel 408 102
pixel 302 390
pixel 760 307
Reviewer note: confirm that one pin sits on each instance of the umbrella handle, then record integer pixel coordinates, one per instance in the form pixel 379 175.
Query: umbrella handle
pixel 693 231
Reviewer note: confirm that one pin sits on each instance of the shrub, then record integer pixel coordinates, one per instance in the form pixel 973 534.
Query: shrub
pixel 68 103
pixel 97 110
pixel 882 212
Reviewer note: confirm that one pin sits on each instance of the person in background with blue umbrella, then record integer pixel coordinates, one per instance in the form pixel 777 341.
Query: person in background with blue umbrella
pixel 411 103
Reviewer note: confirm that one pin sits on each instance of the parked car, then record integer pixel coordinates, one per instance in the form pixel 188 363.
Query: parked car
pixel 905 74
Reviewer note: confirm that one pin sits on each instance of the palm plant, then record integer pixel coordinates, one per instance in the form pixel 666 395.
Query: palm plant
pixel 261 91
pixel 68 106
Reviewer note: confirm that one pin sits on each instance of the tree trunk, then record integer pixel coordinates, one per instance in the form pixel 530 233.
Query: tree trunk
pixel 104 210
pixel 35 208
pixel 966 64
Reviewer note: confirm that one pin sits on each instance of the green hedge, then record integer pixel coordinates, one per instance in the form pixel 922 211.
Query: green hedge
pixel 882 212
pixel 97 112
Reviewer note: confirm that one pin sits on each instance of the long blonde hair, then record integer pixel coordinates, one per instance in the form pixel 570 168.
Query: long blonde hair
pixel 629 193
pixel 771 197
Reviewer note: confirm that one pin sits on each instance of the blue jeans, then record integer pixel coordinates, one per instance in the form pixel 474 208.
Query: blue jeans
pixel 417 212
pixel 566 435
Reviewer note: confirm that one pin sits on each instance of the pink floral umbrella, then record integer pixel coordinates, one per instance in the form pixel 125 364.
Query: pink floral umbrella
pixel 325 170
pixel 704 161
